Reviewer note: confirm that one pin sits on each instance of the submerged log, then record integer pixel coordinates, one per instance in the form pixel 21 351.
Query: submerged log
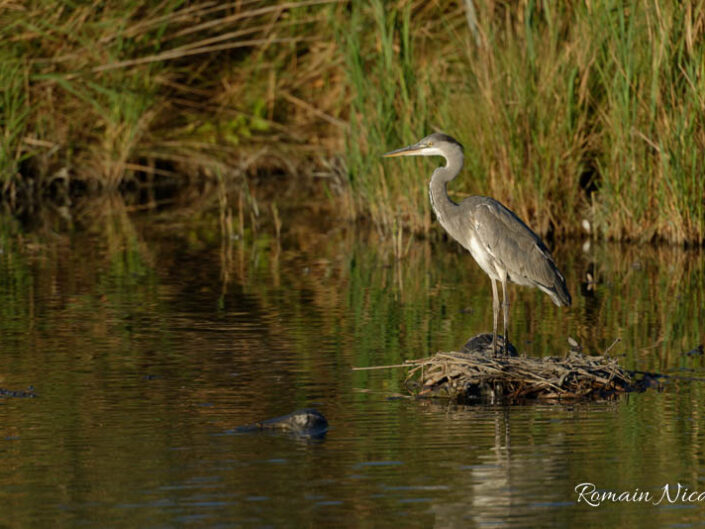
pixel 18 394
pixel 476 374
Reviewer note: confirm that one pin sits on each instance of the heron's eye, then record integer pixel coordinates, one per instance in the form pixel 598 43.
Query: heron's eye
pixel 430 144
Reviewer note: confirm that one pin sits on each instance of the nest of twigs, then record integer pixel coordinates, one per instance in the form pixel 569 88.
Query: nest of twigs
pixel 472 376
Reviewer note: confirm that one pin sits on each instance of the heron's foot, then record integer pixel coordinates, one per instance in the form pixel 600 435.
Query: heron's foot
pixel 508 348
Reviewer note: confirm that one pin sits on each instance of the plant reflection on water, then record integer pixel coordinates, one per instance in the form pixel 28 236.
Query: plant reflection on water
pixel 148 337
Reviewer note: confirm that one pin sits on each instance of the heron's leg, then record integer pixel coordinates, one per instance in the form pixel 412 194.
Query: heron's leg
pixel 495 316
pixel 505 308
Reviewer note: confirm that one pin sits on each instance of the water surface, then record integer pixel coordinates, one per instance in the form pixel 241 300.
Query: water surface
pixel 148 339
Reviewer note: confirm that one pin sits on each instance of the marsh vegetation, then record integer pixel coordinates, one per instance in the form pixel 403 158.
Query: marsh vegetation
pixel 569 112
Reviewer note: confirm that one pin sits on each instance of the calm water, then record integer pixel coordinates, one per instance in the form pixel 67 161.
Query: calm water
pixel 148 339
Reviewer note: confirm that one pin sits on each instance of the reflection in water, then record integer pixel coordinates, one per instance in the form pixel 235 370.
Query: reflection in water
pixel 148 339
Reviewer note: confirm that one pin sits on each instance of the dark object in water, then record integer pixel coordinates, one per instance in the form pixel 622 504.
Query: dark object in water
pixel 29 394
pixel 696 351
pixel 304 422
pixel 650 380
pixel 480 376
pixel 482 344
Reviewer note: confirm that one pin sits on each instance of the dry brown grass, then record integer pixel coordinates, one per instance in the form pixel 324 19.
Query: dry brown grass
pixel 237 85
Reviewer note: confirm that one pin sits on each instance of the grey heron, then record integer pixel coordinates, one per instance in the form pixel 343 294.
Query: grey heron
pixel 501 243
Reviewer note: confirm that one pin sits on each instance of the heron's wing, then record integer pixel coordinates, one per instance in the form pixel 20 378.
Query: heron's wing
pixel 517 249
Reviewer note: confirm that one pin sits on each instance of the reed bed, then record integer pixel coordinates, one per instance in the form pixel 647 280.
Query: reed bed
pixel 576 115
pixel 137 91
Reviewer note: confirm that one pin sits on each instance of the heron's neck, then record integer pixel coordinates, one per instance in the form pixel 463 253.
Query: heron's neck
pixel 441 203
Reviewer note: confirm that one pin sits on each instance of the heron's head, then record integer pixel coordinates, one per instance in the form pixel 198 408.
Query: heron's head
pixel 436 144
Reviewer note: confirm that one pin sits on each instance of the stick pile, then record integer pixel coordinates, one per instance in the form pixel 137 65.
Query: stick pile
pixel 470 376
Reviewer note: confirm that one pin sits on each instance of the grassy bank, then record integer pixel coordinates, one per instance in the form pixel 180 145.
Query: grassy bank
pixel 568 113
pixel 138 89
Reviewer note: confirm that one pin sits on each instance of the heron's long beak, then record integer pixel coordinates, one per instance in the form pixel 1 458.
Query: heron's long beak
pixel 409 150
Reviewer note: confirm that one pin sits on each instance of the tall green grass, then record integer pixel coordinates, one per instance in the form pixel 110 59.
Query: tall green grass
pixel 524 115
pixel 649 75
pixel 389 105
pixel 14 114
pixel 570 113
